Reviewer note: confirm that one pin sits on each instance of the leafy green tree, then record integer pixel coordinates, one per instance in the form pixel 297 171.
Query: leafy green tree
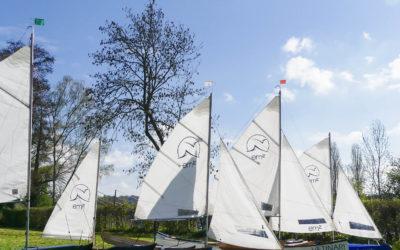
pixel 393 179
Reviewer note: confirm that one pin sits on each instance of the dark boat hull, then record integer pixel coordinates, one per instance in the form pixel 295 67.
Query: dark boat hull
pixel 65 247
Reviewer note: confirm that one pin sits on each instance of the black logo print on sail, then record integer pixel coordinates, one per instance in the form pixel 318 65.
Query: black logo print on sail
pixel 312 173
pixel 257 146
pixel 188 151
pixel 80 195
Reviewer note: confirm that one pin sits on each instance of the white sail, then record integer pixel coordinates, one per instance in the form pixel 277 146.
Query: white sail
pixel 350 216
pixel 316 164
pixel 236 218
pixel 73 215
pixel 175 186
pixel 256 153
pixel 301 210
pixel 14 125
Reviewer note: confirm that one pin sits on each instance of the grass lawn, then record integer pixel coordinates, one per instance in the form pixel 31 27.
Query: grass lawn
pixel 11 239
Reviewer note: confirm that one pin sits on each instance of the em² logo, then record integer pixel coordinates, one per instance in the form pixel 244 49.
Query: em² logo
pixel 188 151
pixel 312 173
pixel 257 146
pixel 80 195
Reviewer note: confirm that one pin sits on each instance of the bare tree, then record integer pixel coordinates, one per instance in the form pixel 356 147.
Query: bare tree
pixel 147 85
pixel 376 155
pixel 336 164
pixel 69 138
pixel 357 168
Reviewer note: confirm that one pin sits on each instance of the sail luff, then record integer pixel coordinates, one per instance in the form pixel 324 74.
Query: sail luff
pixel 208 170
pixel 280 161
pixel 28 205
pixel 96 194
pixel 176 183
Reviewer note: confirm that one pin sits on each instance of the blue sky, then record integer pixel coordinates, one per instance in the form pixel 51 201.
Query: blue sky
pixel 341 60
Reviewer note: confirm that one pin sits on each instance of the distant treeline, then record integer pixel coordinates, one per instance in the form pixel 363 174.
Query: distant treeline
pixel 118 218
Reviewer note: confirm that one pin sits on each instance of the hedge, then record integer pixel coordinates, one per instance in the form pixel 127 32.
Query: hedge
pixel 386 214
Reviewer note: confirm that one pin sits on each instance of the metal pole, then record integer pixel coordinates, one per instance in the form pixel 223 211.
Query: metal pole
pixel 28 199
pixel 280 159
pixel 95 198
pixel 332 183
pixel 208 170
pixel 115 196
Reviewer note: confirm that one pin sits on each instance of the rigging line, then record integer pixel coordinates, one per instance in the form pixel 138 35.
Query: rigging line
pixel 256 111
pixel 241 153
pixel 23 34
pixel 191 131
pixel 69 230
pixel 14 97
pixel 265 132
pixel 296 127
pixel 320 162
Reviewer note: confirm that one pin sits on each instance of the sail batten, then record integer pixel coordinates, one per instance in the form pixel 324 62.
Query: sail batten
pixel 175 186
pixel 14 125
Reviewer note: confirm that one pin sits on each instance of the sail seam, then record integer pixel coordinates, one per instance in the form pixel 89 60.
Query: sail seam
pixel 14 97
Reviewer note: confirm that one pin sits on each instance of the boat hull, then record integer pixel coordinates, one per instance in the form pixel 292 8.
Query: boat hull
pixel 337 245
pixel 65 247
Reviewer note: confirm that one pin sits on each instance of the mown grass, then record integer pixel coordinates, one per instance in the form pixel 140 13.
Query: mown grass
pixel 11 239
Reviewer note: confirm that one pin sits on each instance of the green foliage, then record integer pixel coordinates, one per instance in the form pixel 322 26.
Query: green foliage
pixel 396 245
pixel 11 239
pixel 386 214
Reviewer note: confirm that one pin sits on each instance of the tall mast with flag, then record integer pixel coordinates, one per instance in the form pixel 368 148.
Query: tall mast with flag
pixel 38 22
pixel 281 82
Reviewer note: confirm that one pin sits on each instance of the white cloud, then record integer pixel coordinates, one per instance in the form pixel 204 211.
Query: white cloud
pixel 208 83
pixel 395 131
pixel 121 160
pixel 344 141
pixel 296 45
pixel 367 36
pixel 392 2
pixel 304 71
pixel 346 75
pixel 369 59
pixel 387 77
pixel 228 97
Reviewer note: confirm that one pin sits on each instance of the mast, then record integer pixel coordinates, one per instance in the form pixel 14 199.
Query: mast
pixel 95 198
pixel 28 199
pixel 332 183
pixel 208 170
pixel 280 159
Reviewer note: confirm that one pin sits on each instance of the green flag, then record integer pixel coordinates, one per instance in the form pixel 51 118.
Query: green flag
pixel 39 21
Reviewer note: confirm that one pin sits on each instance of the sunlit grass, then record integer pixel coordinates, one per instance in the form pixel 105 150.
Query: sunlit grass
pixel 11 239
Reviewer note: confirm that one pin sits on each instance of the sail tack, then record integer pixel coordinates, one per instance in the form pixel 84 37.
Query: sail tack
pixel 175 186
pixel 73 215
pixel 316 164
pixel 301 209
pixel 236 218
pixel 14 125
pixel 350 216
pixel 256 153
